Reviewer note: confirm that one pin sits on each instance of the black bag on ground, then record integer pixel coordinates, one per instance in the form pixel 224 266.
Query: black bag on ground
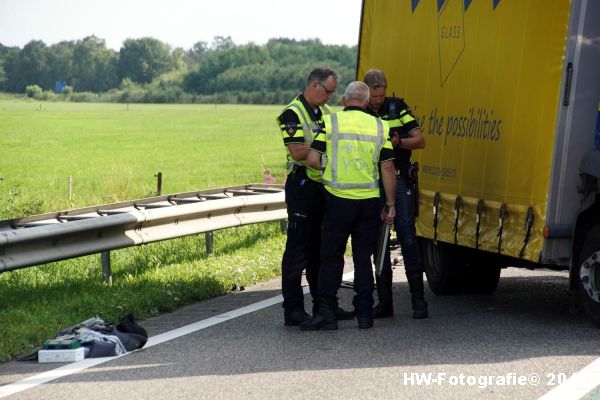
pixel 132 335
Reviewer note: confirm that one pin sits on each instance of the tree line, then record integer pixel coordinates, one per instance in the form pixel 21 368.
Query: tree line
pixel 148 70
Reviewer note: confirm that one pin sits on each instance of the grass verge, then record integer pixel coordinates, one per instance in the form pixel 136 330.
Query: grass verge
pixel 112 153
pixel 148 280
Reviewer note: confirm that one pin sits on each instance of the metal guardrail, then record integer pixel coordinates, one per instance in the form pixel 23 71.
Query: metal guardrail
pixel 40 239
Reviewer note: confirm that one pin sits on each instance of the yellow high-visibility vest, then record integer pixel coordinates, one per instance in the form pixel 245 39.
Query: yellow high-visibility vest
pixel 307 130
pixel 354 140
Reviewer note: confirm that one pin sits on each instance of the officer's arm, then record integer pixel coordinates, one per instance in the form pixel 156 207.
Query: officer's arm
pixel 293 134
pixel 313 159
pixel 414 141
pixel 408 135
pixel 317 148
pixel 298 151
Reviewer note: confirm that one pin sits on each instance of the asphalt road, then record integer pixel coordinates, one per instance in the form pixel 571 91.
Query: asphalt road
pixel 471 347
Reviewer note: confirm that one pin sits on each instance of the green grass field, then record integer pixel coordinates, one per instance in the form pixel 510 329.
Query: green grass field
pixel 112 152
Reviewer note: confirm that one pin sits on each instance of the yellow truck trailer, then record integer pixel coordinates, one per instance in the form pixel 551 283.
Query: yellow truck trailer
pixel 507 95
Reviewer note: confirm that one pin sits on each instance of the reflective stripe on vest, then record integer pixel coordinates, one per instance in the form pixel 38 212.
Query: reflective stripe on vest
pixel 307 127
pixel 335 136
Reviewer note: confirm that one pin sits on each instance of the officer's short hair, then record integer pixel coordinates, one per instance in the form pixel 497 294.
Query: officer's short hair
pixel 321 74
pixel 375 78
pixel 357 90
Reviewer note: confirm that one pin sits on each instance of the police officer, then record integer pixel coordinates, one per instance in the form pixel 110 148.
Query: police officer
pixel 406 136
pixel 354 143
pixel 304 194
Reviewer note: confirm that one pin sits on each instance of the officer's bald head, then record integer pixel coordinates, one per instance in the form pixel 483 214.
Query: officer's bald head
pixel 356 94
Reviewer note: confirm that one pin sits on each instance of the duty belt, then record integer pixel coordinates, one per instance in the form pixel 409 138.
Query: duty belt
pixel 403 171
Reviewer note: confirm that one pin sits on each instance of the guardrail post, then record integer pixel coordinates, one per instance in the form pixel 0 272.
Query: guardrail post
pixel 283 225
pixel 208 236
pixel 105 259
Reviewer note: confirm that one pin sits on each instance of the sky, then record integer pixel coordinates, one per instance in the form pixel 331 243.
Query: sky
pixel 179 23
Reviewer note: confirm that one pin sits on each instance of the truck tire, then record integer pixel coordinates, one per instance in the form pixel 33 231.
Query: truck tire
pixel 587 275
pixel 443 267
pixel 482 272
pixel 452 269
pixel 481 278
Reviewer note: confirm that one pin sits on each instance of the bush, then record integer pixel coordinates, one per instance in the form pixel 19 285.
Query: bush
pixel 164 95
pixel 133 95
pixel 81 97
pixel 112 96
pixel 33 91
pixel 49 95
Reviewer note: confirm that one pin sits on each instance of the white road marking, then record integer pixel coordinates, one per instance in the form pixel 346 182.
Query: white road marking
pixel 51 375
pixel 75 367
pixel 578 385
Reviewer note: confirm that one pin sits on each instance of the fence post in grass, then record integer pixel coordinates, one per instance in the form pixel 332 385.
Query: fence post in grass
pixel 105 258
pixel 208 236
pixel 158 183
pixel 70 190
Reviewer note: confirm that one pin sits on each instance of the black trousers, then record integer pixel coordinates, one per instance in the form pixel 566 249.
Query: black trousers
pixel 358 219
pixel 305 207
pixel 405 230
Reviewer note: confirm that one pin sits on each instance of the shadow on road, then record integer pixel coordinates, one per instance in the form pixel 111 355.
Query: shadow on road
pixel 527 317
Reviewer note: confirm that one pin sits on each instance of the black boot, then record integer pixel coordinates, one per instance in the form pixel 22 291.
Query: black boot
pixel 318 323
pixel 364 323
pixel 322 319
pixel 417 292
pixel 340 313
pixel 295 317
pixel 385 307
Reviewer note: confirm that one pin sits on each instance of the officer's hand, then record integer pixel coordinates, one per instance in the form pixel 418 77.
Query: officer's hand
pixel 394 139
pixel 388 217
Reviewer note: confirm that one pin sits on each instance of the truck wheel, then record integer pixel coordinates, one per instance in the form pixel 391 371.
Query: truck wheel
pixel 443 267
pixel 482 272
pixel 481 279
pixel 587 275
